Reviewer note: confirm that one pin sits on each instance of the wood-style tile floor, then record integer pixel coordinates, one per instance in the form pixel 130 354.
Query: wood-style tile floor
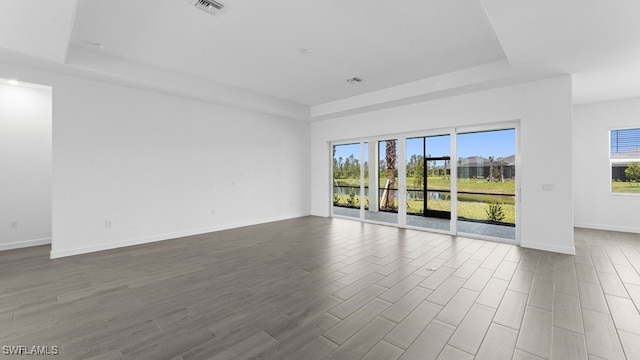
pixel 313 288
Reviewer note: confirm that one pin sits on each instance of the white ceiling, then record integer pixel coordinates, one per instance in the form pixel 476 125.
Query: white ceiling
pixel 38 28
pixel 411 49
pixel 596 40
pixel 255 44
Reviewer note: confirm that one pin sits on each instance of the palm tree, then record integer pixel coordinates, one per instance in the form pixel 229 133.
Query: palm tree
pixel 446 163
pixel 501 169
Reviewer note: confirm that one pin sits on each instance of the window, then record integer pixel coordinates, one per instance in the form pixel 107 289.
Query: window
pixel 624 158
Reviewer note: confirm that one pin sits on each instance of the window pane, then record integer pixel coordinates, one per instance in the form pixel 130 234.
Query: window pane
pixel 428 201
pixel 346 180
pixel 388 175
pixel 625 160
pixel 366 175
pixel 487 183
pixel 625 143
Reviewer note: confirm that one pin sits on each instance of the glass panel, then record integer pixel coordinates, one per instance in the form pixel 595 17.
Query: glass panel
pixel 386 207
pixel 366 175
pixel 415 178
pixel 429 182
pixel 346 180
pixel 625 160
pixel 486 183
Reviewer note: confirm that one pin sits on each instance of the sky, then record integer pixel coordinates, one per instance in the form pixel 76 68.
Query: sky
pixel 625 141
pixel 489 143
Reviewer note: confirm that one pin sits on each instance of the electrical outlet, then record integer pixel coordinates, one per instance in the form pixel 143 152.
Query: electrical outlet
pixel 548 187
pixel 108 224
pixel 213 212
pixel 13 224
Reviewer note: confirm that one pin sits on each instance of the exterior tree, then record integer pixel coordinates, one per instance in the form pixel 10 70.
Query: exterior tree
pixel 352 167
pixel 338 170
pixel 632 172
pixel 415 168
pixel 347 168
pixel 366 172
pixel 491 179
pixel 501 159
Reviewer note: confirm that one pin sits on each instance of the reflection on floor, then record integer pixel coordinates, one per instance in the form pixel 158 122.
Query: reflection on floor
pixel 465 227
pixel 386 217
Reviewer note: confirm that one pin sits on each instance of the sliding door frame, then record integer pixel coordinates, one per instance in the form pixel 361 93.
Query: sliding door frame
pixel 360 144
pixel 514 124
pixel 401 139
pixel 453 174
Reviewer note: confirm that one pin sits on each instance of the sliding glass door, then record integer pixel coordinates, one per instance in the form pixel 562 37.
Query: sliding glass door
pixel 486 200
pixel 346 180
pixel 382 203
pixel 461 181
pixel 428 169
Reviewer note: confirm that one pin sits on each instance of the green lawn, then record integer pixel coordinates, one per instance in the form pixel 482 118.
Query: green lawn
pixel 625 187
pixel 440 183
pixel 471 206
pixel 349 182
pixel 467 209
pixel 469 185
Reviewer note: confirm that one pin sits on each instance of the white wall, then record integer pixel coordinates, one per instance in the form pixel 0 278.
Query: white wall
pixel 545 111
pixel 595 206
pixel 25 166
pixel 159 166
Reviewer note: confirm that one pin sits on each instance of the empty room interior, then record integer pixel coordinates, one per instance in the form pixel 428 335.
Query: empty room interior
pixel 295 179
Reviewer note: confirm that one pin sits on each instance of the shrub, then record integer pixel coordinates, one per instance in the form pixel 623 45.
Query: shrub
pixel 495 213
pixel 351 200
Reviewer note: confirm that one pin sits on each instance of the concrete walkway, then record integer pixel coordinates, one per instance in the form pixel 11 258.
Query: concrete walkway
pixel 466 227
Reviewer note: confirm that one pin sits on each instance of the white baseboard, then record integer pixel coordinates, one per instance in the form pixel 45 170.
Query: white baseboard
pixel 161 237
pixel 607 227
pixel 569 250
pixel 24 244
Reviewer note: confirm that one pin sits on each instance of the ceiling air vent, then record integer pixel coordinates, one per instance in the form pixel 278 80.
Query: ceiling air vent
pixel 209 6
